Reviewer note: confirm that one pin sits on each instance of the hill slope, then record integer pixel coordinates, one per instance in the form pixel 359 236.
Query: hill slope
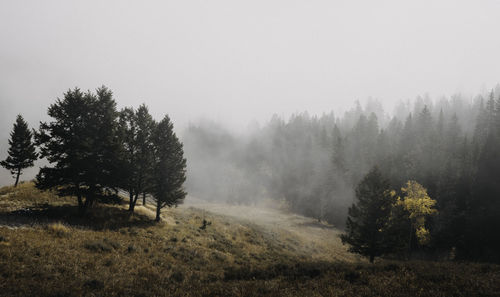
pixel 45 250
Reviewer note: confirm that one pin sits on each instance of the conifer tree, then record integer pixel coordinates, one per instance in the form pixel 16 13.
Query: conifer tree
pixel 81 144
pixel 169 167
pixel 369 217
pixel 21 152
pixel 136 129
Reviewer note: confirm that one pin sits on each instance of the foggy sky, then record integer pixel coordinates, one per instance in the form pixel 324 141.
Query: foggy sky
pixel 238 61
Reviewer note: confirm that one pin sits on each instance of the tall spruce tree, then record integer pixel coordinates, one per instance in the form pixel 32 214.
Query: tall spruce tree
pixel 369 217
pixel 169 167
pixel 21 152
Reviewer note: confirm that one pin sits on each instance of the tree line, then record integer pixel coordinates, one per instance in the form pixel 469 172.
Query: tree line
pixel 313 164
pixel 94 150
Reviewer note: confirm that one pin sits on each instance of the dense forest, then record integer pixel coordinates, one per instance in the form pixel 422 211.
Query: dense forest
pixel 314 163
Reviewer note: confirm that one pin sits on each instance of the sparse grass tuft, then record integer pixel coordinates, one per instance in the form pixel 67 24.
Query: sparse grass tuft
pixel 102 245
pixel 59 229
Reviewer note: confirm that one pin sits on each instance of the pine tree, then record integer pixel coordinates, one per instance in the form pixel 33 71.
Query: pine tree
pixel 169 167
pixel 136 128
pixel 145 129
pixel 82 144
pixel 128 153
pixel 21 152
pixel 369 217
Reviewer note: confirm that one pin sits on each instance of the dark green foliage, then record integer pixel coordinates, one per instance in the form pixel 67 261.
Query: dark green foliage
pixel 483 223
pixel 368 218
pixel 169 167
pixel 95 150
pixel 21 152
pixel 81 144
pixel 136 154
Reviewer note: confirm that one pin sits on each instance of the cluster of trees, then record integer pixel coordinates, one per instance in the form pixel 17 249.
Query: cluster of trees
pixel 379 221
pixel 449 146
pixel 94 149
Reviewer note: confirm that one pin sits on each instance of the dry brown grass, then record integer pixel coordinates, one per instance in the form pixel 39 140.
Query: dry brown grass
pixel 58 229
pixel 25 194
pixel 230 257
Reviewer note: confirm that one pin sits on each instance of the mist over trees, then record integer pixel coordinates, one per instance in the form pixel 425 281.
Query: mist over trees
pixel 442 156
pixel 313 164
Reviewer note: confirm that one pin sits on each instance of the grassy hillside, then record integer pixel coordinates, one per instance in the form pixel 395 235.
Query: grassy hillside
pixel 46 250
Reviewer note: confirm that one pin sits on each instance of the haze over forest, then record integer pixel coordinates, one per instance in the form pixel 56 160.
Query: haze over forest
pixel 237 63
pixel 250 148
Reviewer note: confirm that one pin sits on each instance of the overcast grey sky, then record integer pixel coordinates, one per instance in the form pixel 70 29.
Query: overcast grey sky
pixel 235 61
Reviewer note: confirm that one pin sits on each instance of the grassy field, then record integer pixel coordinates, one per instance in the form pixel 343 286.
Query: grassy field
pixel 46 250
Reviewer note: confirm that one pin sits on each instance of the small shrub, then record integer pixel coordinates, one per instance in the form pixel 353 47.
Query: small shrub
pixel 102 245
pixel 59 229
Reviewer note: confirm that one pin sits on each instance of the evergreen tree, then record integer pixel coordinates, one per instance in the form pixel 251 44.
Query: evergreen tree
pixel 136 128
pixel 145 129
pixel 128 153
pixel 82 144
pixel 21 149
pixel 369 217
pixel 169 167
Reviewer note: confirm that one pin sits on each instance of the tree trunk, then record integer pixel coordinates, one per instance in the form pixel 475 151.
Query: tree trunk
pixel 372 258
pixel 80 202
pixel 17 176
pixel 135 199
pixel 409 241
pixel 86 205
pixel 158 211
pixel 144 198
pixel 131 204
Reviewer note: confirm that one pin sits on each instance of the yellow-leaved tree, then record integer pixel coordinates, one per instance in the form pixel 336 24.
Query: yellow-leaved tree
pixel 419 205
